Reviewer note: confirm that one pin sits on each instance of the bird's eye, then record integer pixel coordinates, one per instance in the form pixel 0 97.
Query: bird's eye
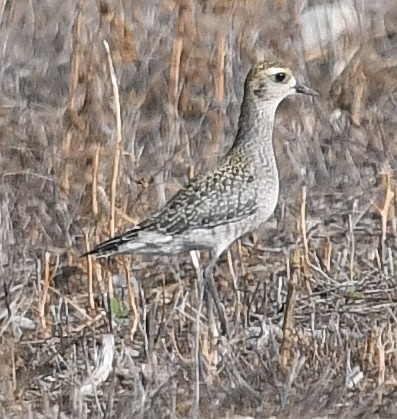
pixel 279 77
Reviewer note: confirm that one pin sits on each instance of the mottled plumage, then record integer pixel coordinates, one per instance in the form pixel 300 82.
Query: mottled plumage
pixel 221 205
pixel 213 199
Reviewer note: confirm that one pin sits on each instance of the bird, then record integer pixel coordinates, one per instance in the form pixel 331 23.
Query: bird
pixel 235 197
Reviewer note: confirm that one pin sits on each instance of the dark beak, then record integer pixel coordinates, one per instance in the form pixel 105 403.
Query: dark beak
pixel 305 90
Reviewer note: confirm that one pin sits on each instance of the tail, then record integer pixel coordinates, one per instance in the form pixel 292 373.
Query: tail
pixel 140 239
pixel 116 245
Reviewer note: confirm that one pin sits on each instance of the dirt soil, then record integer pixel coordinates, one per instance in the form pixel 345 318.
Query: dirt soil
pixel 311 297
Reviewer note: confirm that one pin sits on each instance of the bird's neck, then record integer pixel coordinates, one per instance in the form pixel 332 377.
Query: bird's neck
pixel 255 129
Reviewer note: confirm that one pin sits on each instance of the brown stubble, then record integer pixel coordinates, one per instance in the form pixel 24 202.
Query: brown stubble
pixel 321 300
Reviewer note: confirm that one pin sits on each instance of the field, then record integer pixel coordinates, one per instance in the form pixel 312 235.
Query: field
pixel 106 109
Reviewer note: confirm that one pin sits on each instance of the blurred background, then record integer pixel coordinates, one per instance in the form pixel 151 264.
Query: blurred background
pixel 180 66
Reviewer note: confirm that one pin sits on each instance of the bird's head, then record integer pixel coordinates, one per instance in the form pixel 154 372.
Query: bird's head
pixel 273 81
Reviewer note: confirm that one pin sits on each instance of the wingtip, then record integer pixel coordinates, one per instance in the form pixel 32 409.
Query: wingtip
pixel 89 253
pixel 98 252
pixel 102 250
pixel 110 247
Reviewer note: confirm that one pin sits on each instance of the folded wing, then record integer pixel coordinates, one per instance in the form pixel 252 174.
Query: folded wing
pixel 217 197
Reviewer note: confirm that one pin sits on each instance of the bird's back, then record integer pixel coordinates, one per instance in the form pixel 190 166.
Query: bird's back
pixel 220 205
pixel 212 206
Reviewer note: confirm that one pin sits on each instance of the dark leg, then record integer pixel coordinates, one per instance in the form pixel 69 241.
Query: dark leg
pixel 209 286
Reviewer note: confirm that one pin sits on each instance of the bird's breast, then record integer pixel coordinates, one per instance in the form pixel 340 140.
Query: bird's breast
pixel 267 194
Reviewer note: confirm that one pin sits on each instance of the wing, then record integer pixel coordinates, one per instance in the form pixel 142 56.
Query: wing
pixel 218 197
pixel 222 196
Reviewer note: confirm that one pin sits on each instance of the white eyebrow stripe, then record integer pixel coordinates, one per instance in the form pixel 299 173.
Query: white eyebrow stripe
pixel 275 70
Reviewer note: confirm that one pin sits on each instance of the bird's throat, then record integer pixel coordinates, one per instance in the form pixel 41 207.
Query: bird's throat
pixel 255 128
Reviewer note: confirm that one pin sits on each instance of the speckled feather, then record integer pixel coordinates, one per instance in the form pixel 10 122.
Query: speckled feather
pixel 220 196
pixel 215 198
pixel 218 206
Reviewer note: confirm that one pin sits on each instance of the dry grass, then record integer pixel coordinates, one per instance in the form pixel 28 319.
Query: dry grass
pixel 312 298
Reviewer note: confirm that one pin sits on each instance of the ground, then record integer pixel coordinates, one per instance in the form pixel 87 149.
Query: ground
pixel 311 297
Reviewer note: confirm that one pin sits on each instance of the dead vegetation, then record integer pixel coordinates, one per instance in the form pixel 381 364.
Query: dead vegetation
pixel 92 141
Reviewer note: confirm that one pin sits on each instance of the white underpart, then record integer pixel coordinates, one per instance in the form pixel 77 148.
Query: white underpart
pixel 292 83
pixel 154 237
pixel 147 242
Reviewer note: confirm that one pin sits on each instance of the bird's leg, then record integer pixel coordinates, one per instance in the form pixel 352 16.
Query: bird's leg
pixel 209 285
pixel 208 273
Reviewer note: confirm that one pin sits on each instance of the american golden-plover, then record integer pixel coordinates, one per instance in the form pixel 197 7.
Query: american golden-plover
pixel 222 204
